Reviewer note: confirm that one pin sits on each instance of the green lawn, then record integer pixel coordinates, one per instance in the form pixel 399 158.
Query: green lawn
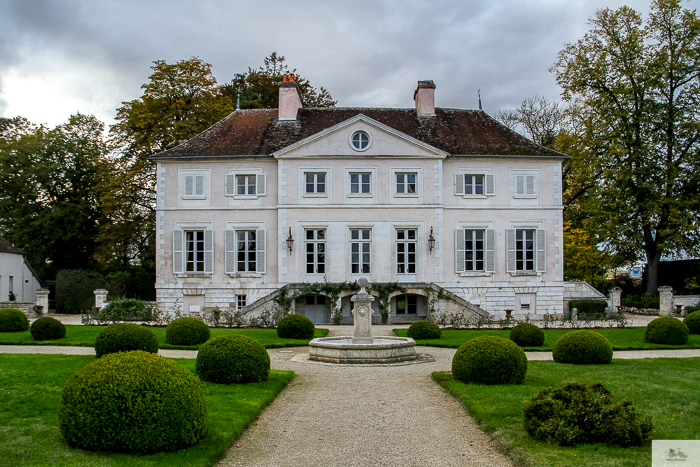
pixel 620 339
pixel 30 387
pixel 665 388
pixel 85 336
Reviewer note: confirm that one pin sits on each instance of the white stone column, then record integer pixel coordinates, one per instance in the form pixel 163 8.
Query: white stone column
pixel 100 297
pixel 665 301
pixel 615 299
pixel 363 314
pixel 42 301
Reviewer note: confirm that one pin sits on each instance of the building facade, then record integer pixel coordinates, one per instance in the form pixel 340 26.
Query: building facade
pixel 18 281
pixel 439 198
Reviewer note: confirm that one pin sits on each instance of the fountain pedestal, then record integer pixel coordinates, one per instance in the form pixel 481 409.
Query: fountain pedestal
pixel 362 315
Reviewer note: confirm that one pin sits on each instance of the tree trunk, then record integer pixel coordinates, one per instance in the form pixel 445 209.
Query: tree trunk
pixel 653 259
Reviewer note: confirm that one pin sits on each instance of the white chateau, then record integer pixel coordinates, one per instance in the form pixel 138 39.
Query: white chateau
pixel 433 198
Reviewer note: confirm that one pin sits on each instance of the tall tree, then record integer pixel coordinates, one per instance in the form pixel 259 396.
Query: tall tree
pixel 258 89
pixel 48 199
pixel 179 101
pixel 636 89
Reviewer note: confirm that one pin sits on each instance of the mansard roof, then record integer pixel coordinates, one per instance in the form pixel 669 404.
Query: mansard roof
pixel 258 132
pixel 7 247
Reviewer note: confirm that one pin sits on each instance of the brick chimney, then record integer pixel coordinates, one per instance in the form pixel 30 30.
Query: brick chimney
pixel 424 97
pixel 290 100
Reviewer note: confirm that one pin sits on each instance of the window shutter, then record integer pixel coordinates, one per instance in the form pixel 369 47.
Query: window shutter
pixel 530 184
pixel 490 185
pixel 541 250
pixel 510 250
pixel 260 185
pixel 199 185
pixel 260 243
pixel 490 250
pixel 230 185
pixel 459 249
pixel 519 185
pixel 177 251
pixel 189 185
pixel 208 251
pixel 230 248
pixel 459 184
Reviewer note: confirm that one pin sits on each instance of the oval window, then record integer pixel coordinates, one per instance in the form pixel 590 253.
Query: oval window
pixel 360 140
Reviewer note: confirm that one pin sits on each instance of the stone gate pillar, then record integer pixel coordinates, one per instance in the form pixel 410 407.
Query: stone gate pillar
pixel 100 297
pixel 665 300
pixel 615 299
pixel 42 301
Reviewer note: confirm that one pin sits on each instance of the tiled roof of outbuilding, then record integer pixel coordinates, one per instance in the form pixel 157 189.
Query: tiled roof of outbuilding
pixel 7 247
pixel 455 131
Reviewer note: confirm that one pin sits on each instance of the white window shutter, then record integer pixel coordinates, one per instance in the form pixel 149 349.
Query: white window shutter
pixel 519 185
pixel 530 184
pixel 230 185
pixel 490 185
pixel 177 251
pixel 261 185
pixel 208 251
pixel 260 257
pixel 459 249
pixel 510 250
pixel 459 185
pixel 541 250
pixel 189 185
pixel 490 250
pixel 199 185
pixel 230 251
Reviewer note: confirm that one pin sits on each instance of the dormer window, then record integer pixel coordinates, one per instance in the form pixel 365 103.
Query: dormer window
pixel 360 140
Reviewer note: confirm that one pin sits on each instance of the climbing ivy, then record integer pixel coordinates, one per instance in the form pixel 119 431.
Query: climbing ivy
pixel 331 290
pixel 383 291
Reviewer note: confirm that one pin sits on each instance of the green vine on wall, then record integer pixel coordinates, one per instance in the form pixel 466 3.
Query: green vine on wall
pixel 384 291
pixel 332 291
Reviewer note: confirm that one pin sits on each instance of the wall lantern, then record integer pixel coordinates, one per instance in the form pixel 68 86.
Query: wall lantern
pixel 290 241
pixel 431 240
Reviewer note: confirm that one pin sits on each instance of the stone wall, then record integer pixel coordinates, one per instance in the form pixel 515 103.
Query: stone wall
pixel 27 307
pixel 686 300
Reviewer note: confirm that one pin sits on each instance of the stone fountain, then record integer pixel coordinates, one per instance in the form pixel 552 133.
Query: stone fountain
pixel 362 347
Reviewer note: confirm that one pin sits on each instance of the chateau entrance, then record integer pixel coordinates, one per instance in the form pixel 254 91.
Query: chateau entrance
pixel 315 308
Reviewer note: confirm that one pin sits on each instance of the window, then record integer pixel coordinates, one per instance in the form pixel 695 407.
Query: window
pixel 526 250
pixel 360 182
pixel 406 304
pixel 245 184
pixel 360 249
pixel 473 184
pixel 474 250
pixel 405 183
pixel 405 251
pixel 11 284
pixel 246 251
pixel 315 251
pixel 193 185
pixel 524 184
pixel 194 251
pixel 360 140
pixel 315 182
pixel 240 301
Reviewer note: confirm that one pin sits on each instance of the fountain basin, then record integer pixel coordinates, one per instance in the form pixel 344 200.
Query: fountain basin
pixel 343 350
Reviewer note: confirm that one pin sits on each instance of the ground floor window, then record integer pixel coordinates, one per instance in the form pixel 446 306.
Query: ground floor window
pixel 525 250
pixel 406 304
pixel 194 251
pixel 240 301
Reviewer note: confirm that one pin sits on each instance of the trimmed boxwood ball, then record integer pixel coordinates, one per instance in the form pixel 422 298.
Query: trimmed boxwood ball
pixel 424 330
pixel 187 331
pixel 666 330
pixel 232 359
pixel 582 347
pixel 489 360
pixel 125 337
pixel 693 322
pixel 133 402
pixel 47 328
pixel 295 327
pixel 13 320
pixel 527 335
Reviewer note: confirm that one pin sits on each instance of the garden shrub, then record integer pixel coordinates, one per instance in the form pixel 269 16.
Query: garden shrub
pixel 295 327
pixel 692 309
pixel 589 307
pixel 187 331
pixel 582 347
pixel 133 402
pixel 47 328
pixel 666 330
pixel 424 330
pixel 578 414
pixel 127 309
pixel 13 320
pixel 645 300
pixel 693 322
pixel 232 359
pixel 527 335
pixel 75 290
pixel 489 360
pixel 125 337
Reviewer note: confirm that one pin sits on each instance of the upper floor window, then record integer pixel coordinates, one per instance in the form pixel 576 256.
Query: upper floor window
pixel 315 251
pixel 473 184
pixel 360 140
pixel 524 250
pixel 244 246
pixel 194 185
pixel 245 184
pixel 470 184
pixel 193 250
pixel 360 251
pixel 405 182
pixel 405 251
pixel 360 182
pixel 524 184
pixel 474 248
pixel 315 182
pixel 246 251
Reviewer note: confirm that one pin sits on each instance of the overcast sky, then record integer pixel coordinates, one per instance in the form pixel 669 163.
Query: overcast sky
pixel 59 57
